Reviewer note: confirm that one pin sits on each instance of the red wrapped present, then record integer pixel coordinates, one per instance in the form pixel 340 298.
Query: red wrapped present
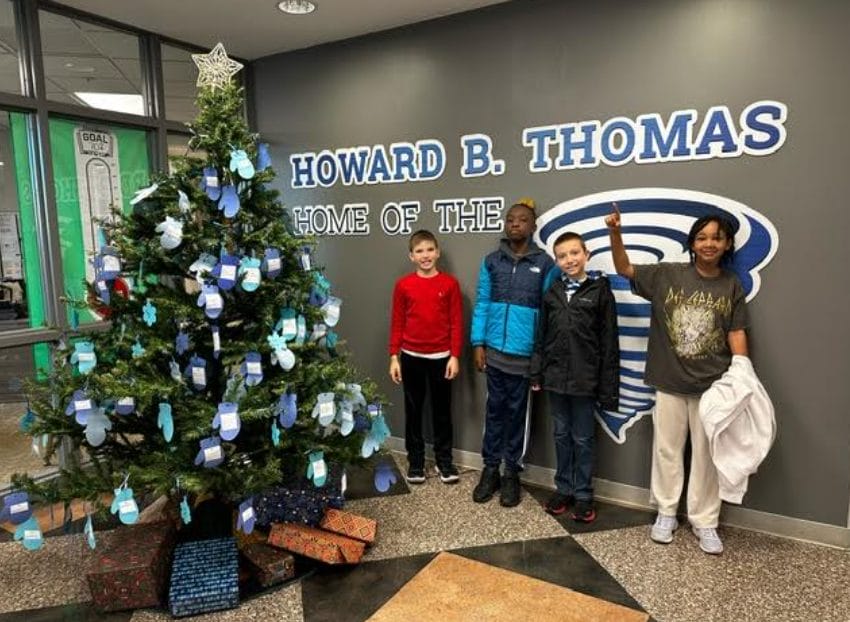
pixel 351 525
pixel 325 546
pixel 130 569
pixel 268 564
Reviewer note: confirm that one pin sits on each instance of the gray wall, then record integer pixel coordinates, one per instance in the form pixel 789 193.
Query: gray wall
pixel 531 63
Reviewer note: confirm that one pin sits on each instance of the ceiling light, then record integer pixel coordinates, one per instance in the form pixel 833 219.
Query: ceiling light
pixel 297 7
pixel 117 102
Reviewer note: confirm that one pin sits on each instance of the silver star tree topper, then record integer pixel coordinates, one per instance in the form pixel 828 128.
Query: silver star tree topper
pixel 215 69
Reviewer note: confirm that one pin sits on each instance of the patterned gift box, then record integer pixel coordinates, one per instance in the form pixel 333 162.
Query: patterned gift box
pixel 351 525
pixel 204 577
pixel 325 546
pixel 268 564
pixel 130 569
pixel 298 500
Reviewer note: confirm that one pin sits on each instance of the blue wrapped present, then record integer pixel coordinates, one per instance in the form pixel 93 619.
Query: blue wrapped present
pixel 204 577
pixel 298 500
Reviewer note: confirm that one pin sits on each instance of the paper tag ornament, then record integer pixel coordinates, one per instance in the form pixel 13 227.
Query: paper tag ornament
pixel 247 517
pixel 84 356
pixel 149 313
pixel 165 421
pixel 172 233
pixel 271 262
pixel 16 508
pixel 288 324
pixel 125 406
pixel 287 408
pixel 325 409
pixel 209 183
pixel 263 159
pixel 330 310
pixel 81 406
pixel 317 470
pixel 249 271
pixel 211 453
pixel 125 505
pixel 227 420
pixel 252 369
pixel 229 202
pixel 225 271
pixel 240 163
pixel 29 533
pixel 97 425
pixel 196 371
pixel 211 300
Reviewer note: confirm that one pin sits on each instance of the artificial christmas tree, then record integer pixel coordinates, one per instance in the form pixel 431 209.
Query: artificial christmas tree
pixel 219 374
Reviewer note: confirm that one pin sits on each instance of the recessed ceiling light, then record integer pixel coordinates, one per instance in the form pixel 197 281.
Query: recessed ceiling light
pixel 297 7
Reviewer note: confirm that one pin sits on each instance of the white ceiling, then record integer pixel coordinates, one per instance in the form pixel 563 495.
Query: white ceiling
pixel 253 28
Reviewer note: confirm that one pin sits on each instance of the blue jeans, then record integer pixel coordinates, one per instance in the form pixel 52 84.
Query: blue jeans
pixel 504 426
pixel 574 440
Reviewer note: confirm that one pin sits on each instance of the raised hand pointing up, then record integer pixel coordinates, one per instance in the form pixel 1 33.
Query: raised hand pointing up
pixel 612 220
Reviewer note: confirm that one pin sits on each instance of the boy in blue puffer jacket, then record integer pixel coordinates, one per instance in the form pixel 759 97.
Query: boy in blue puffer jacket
pixel 511 283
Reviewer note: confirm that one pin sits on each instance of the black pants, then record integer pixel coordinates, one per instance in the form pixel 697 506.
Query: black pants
pixel 420 375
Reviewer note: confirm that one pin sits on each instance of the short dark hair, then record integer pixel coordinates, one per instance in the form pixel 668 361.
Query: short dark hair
pixel 724 224
pixel 423 235
pixel 566 237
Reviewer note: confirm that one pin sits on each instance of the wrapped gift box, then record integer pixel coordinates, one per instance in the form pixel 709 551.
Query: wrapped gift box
pixel 351 525
pixel 204 577
pixel 298 500
pixel 325 546
pixel 268 564
pixel 130 568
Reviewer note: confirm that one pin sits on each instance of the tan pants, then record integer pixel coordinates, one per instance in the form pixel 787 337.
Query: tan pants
pixel 674 415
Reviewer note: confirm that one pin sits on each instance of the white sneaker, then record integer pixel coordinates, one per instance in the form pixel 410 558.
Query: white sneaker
pixel 662 530
pixel 709 541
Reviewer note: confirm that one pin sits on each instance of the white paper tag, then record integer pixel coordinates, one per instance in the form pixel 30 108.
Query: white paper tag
pixel 343 484
pixel 228 272
pixel 212 453
pixel 126 401
pixel 128 506
pixel 199 375
pixel 273 264
pixel 216 342
pixel 111 263
pixel 214 301
pixel 290 326
pixel 319 469
pixel 212 182
pixel 254 368
pixel 248 514
pixel 32 534
pixel 305 261
pixel 82 405
pixel 19 507
pixel 326 409
pixel 252 275
pixel 229 421
pixel 85 357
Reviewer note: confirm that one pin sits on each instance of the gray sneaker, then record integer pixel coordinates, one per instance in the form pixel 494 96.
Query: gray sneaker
pixel 662 530
pixel 709 541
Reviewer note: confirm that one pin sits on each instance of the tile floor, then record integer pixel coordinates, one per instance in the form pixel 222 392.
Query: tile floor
pixel 758 577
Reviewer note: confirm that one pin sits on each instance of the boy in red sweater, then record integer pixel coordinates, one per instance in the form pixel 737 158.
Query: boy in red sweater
pixel 425 343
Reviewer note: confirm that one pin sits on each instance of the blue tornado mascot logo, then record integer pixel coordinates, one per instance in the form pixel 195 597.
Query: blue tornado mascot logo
pixel 655 228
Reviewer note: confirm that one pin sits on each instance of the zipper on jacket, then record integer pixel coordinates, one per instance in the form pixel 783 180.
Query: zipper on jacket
pixel 508 308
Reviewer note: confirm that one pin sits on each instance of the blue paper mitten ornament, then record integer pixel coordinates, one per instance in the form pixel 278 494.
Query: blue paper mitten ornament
pixel 176 375
pixel 125 405
pixel 211 453
pixel 81 406
pixel 172 233
pixel 183 202
pixel 225 271
pixel 229 202
pixel 30 534
pixel 330 310
pixel 240 163
pixel 356 395
pixel 210 184
pixel 107 264
pixel 301 334
pixel 27 421
pixel 281 354
pixel 331 340
pixel 287 408
pixel 181 342
pixel 288 323
pixel 97 425
pixel 165 421
pixel 203 265
pixel 144 193
pixel 16 508
pixel 227 420
pixel 125 505
pixel 196 370
pixel 102 289
pixel 211 300
pixel 249 270
pixel 319 331
pixel 263 158
pixel 185 511
pixel 88 530
pixel 385 477
pixel 345 415
pixel 252 369
pixel 317 470
pixel 318 296
pixel 378 432
pixel 271 262
pixel 84 356
pixel 325 409
pixel 247 517
pixel 149 313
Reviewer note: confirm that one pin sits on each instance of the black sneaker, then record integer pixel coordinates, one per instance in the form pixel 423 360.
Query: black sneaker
pixel 583 512
pixel 448 473
pixel 510 492
pixel 415 475
pixel 487 485
pixel 558 504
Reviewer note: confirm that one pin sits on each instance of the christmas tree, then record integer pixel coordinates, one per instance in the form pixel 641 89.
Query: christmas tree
pixel 219 370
